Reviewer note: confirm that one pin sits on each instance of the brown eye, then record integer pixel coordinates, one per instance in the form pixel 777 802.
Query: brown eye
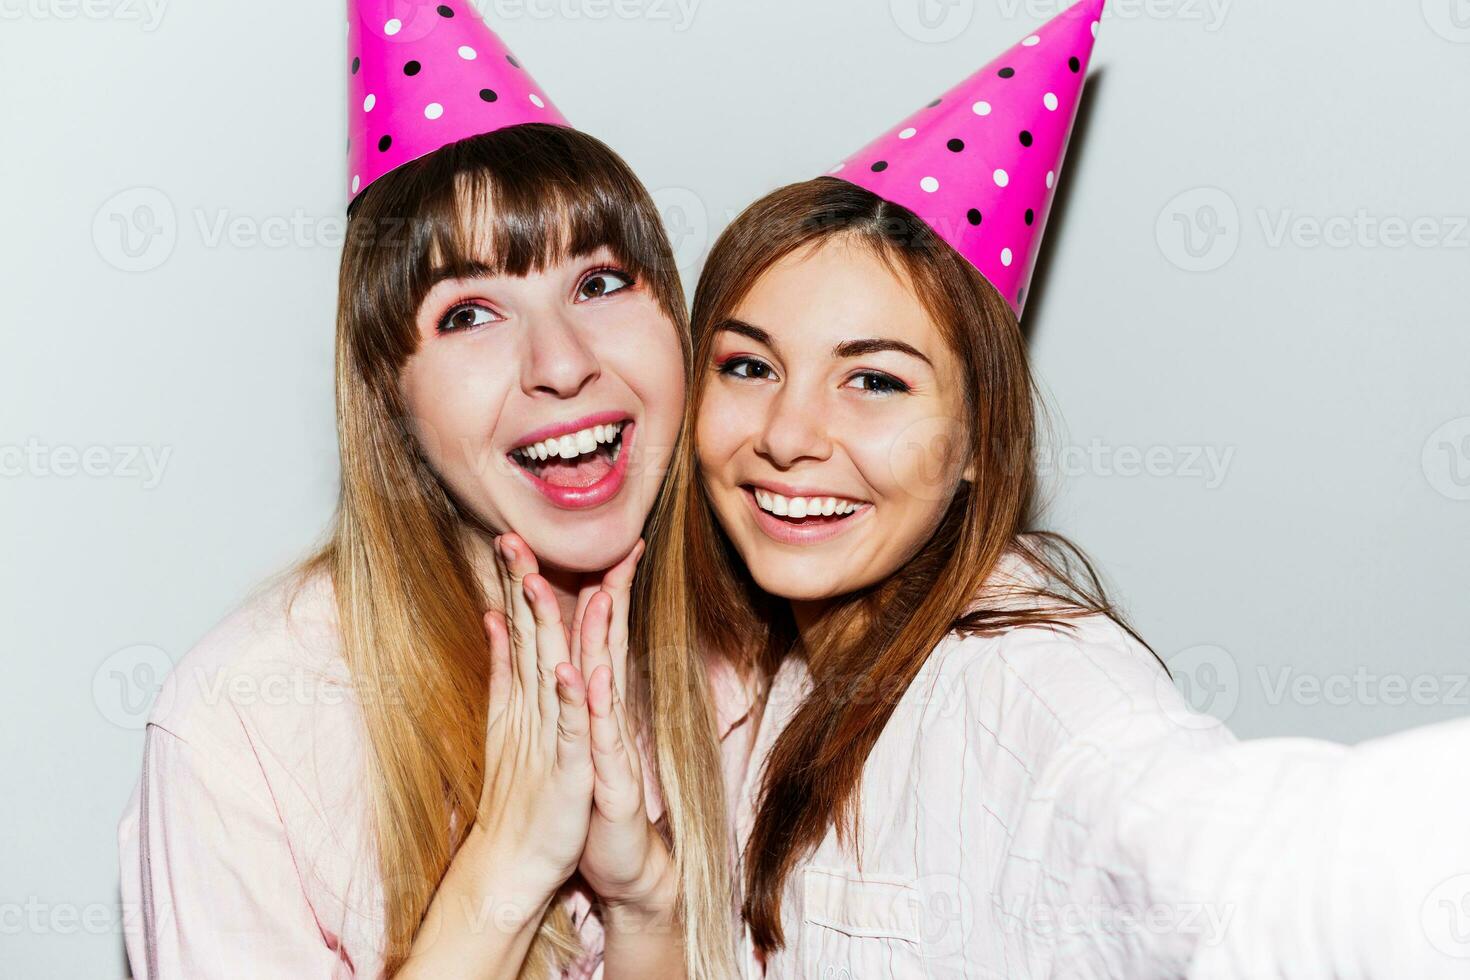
pixel 602 284
pixel 464 317
pixel 878 383
pixel 747 368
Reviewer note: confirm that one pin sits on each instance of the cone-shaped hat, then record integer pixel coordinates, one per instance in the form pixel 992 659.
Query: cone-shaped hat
pixel 423 75
pixel 980 163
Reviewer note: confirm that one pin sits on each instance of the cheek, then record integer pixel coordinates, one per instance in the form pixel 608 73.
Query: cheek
pixel 914 464
pixel 453 404
pixel 721 427
pixel 643 350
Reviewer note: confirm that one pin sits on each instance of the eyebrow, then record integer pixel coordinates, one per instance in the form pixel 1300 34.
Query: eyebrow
pixel 470 270
pixel 857 348
pixel 848 348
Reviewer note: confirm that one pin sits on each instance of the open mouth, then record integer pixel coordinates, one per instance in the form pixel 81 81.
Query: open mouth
pixel 576 460
pixel 805 512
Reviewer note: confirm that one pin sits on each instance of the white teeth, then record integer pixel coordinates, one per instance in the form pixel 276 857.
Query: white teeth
pixel 573 444
pixel 803 506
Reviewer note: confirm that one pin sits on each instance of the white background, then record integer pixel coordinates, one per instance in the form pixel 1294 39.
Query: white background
pixel 1311 580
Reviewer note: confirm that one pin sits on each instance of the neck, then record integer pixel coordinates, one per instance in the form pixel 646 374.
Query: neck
pixel 808 613
pixel 480 546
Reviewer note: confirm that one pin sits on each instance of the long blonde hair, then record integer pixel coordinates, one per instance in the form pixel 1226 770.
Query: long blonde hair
pixel 408 600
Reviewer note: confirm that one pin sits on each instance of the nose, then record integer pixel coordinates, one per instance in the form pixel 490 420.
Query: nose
pixel 558 362
pixel 794 429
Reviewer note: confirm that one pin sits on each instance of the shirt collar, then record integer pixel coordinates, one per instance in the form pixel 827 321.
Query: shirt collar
pixel 734 697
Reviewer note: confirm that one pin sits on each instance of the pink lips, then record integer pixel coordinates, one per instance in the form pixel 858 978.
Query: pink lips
pixel 799 534
pixel 593 495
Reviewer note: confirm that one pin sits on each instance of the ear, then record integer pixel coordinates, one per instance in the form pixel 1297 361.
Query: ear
pixel 969 475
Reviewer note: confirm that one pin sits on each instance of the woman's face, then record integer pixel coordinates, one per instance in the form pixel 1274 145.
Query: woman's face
pixel 549 403
pixel 829 434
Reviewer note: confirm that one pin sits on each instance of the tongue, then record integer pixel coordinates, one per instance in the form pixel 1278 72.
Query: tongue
pixel 584 471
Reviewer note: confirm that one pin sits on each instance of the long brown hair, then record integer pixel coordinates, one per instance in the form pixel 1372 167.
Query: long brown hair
pixel 814 770
pixel 408 600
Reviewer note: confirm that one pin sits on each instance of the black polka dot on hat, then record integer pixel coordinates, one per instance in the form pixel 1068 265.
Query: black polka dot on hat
pixel 1006 72
pixel 513 62
pixel 356 64
pixel 1074 64
pixel 1030 216
pixel 446 11
pixel 933 104
pixel 384 143
pixel 412 68
pixel 974 216
pixel 1026 137
pixel 488 94
pixel 880 166
pixel 956 145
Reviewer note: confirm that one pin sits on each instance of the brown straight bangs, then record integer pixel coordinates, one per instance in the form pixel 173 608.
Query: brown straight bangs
pixel 511 202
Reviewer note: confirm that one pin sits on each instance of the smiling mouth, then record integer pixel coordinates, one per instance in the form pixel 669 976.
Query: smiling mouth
pixel 576 460
pixel 805 511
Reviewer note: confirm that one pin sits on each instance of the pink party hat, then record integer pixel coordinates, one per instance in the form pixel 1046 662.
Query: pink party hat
pixel 424 75
pixel 980 163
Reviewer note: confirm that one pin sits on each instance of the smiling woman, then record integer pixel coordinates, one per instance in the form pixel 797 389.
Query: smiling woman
pixel 856 394
pixel 964 763
pixel 510 374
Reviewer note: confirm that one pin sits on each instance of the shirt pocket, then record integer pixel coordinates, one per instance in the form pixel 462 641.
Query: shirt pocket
pixel 858 927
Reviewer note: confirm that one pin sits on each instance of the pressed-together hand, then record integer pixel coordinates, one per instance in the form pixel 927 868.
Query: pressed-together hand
pixel 619 854
pixel 536 801
pixel 625 861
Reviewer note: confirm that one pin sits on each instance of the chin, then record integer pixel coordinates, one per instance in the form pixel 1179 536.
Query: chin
pixel 582 546
pixel 797 580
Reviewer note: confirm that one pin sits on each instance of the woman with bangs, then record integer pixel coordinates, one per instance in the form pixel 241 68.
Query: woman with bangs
pixel 958 761
pixel 510 369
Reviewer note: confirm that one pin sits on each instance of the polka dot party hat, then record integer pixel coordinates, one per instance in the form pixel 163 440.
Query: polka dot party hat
pixel 980 163
pixel 423 75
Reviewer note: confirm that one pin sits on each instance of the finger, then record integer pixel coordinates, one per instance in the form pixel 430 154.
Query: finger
pixel 572 727
pixel 518 562
pixel 593 636
pixel 584 594
pixel 550 638
pixel 501 671
pixel 617 789
pixel 630 740
pixel 618 583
